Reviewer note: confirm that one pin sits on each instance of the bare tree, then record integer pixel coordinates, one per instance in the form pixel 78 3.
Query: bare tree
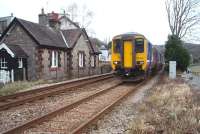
pixel 72 9
pixel 183 16
pixel 82 15
pixel 86 17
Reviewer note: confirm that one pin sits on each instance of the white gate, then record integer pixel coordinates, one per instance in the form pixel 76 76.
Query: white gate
pixel 4 76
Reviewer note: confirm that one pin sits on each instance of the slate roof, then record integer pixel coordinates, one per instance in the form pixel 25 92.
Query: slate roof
pixel 49 37
pixel 46 36
pixel 17 50
pixel 71 36
pixel 94 43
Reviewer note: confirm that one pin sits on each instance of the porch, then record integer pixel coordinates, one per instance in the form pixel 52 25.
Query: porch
pixel 13 63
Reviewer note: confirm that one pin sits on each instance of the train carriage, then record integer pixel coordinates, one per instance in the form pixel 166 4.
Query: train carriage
pixel 133 56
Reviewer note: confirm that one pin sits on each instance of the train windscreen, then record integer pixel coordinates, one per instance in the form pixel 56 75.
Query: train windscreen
pixel 139 45
pixel 117 46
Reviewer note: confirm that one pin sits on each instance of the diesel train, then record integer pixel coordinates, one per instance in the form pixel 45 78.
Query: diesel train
pixel 133 56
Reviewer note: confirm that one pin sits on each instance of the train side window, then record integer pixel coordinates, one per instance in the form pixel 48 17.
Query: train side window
pixel 139 45
pixel 117 46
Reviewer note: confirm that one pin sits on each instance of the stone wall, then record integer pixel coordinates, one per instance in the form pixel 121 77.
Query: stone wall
pixel 105 67
pixel 87 69
pixel 59 73
pixel 18 36
pixel 96 69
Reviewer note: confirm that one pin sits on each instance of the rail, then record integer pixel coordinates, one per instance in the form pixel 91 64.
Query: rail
pixel 23 97
pixel 47 116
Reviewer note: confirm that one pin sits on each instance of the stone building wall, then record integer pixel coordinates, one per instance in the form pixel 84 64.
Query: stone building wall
pixel 18 36
pixel 96 69
pixel 59 73
pixel 87 69
pixel 80 46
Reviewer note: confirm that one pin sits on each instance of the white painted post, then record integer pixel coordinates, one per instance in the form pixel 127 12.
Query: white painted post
pixel 172 69
pixel 12 75
pixel 24 74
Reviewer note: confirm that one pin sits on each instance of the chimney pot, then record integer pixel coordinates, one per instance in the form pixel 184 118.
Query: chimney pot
pixel 42 11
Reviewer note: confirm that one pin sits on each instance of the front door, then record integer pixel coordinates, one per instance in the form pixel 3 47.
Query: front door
pixel 128 54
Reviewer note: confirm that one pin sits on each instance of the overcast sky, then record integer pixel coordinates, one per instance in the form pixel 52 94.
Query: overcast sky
pixel 111 17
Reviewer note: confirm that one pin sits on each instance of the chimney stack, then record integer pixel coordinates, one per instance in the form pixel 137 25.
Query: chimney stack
pixel 43 19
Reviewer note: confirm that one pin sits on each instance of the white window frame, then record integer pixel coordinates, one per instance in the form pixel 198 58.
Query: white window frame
pixel 20 63
pixel 81 59
pixel 54 59
pixel 3 63
pixel 92 61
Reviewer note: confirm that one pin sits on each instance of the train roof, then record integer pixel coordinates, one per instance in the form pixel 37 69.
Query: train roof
pixel 130 35
pixel 127 35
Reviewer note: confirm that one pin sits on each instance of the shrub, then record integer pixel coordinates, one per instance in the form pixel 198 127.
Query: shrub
pixel 174 51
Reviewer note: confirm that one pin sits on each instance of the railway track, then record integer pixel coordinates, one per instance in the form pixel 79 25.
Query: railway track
pixel 108 108
pixel 16 116
pixel 27 96
pixel 74 117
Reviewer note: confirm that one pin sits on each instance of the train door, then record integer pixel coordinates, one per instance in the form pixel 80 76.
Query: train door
pixel 128 54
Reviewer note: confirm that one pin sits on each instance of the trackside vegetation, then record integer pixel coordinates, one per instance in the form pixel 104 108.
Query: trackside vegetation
pixel 174 51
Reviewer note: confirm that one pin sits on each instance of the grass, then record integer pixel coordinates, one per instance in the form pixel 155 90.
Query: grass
pixel 169 108
pixel 14 87
pixel 195 68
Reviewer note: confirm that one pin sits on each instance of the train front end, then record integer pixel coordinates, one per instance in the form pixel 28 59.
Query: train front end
pixel 129 55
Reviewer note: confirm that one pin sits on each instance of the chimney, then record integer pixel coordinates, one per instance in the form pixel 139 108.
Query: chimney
pixel 43 19
pixel 54 21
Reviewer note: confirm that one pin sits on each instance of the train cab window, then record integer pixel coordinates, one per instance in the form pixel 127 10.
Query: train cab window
pixel 139 45
pixel 117 46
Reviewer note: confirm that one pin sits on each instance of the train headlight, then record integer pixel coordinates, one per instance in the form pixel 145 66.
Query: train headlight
pixel 116 62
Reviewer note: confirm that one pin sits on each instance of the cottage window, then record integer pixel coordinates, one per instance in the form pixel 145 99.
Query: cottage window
pixel 92 61
pixel 54 59
pixel 20 63
pixel 81 59
pixel 3 63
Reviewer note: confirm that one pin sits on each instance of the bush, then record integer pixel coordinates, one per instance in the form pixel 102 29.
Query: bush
pixel 174 51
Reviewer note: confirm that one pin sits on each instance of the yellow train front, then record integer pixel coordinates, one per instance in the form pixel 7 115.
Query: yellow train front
pixel 131 55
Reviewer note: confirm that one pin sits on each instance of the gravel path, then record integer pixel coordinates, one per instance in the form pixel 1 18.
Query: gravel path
pixel 17 115
pixel 117 121
pixel 71 119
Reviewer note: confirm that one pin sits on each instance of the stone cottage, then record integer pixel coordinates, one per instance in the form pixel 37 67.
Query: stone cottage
pixel 56 48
